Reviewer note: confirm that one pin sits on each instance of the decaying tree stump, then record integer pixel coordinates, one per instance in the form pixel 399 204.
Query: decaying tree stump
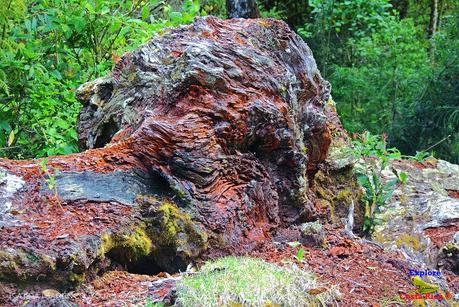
pixel 200 143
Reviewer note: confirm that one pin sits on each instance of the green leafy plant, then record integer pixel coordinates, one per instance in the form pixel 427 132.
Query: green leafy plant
pixel 300 255
pixel 370 145
pixel 420 156
pixel 149 303
pixel 376 194
pixel 403 177
pixel 50 178
pixel 49 48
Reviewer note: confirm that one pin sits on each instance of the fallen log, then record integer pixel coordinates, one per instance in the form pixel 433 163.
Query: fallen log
pixel 200 143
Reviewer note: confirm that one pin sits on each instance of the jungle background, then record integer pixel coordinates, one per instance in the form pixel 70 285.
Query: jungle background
pixel 393 65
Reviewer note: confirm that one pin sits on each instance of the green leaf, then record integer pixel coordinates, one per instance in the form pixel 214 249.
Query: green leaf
pixel 403 177
pixel 11 138
pixel 300 255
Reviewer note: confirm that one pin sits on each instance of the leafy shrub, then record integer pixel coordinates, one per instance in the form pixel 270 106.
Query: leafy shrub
pixel 376 195
pixel 242 280
pixel 377 192
pixel 371 145
pixel 48 48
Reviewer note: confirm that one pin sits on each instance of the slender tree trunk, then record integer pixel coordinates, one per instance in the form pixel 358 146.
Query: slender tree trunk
pixel 433 17
pixel 433 26
pixel 242 9
pixel 441 7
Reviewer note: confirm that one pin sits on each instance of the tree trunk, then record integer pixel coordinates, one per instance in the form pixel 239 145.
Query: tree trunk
pixel 402 7
pixel 200 143
pixel 242 9
pixel 433 17
pixel 433 27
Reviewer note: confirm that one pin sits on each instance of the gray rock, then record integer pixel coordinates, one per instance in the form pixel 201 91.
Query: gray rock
pixel 312 234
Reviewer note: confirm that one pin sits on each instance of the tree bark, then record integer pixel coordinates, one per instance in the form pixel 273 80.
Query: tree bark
pixel 242 9
pixel 433 27
pixel 433 18
pixel 200 143
pixel 402 7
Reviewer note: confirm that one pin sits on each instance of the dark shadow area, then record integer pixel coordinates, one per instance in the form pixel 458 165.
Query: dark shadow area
pixel 109 129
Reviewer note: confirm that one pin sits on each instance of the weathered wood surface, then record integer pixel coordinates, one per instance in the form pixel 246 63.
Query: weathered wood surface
pixel 200 143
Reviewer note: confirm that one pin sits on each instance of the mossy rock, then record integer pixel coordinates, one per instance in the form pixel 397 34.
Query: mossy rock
pixel 176 235
pixel 338 189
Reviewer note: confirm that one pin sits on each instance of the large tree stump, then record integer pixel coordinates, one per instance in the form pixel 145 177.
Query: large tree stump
pixel 200 143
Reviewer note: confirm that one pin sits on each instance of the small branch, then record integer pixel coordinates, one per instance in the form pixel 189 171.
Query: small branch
pixel 356 283
pixel 8 148
pixel 438 143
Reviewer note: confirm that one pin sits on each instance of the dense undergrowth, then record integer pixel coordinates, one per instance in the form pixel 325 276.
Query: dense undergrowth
pixel 49 48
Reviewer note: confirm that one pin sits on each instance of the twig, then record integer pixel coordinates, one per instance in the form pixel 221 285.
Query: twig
pixel 438 143
pixel 356 283
pixel 11 147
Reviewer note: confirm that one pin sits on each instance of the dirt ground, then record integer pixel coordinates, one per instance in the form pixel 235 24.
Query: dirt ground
pixel 365 274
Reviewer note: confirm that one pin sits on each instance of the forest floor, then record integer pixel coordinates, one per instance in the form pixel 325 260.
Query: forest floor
pixel 365 274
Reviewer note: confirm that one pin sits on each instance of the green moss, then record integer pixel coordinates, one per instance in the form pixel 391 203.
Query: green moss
pixel 138 241
pixel 409 241
pixel 107 243
pixel 379 237
pixel 76 279
pixel 176 228
pixel 339 189
pixel 345 196
pixel 134 241
pixel 450 248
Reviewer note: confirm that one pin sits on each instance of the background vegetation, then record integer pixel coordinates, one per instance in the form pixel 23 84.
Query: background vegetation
pixel 394 65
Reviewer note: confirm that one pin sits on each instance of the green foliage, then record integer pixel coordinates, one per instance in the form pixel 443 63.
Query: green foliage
pixel 149 303
pixel 333 24
pixel 385 76
pixel 300 255
pixel 49 176
pixel 377 192
pixel 370 145
pixel 402 177
pixel 48 48
pixel 389 70
pixel 214 7
pixel 356 18
pixel 233 281
pixel 376 195
pixel 420 156
pixel 433 122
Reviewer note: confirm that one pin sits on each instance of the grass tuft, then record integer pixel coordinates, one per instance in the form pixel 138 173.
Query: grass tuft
pixel 248 281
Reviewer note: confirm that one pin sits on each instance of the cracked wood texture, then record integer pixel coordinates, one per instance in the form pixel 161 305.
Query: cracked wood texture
pixel 199 144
